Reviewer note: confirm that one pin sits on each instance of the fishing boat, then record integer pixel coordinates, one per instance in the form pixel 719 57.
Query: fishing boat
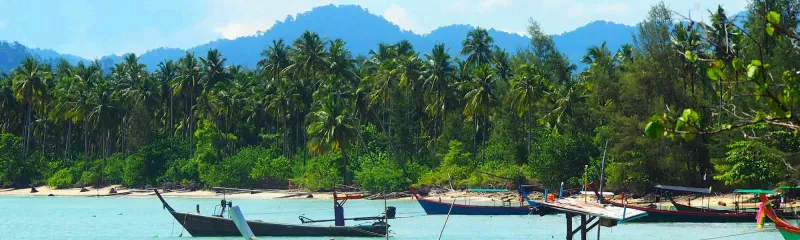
pixel 433 207
pixel 220 226
pixel 654 214
pixel 787 230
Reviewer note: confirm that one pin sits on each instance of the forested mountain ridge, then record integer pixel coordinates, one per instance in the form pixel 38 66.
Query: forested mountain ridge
pixel 362 31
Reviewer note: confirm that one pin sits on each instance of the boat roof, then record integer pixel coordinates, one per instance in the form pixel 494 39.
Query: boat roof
pixel 755 191
pixel 487 190
pixel 788 187
pixel 684 189
pixel 591 208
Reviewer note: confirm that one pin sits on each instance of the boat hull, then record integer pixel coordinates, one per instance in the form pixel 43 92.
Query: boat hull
pixel 211 226
pixel 657 215
pixel 435 207
pixel 788 234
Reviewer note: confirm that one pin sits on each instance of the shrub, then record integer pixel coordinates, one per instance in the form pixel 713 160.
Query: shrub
pixel 11 164
pixel 381 177
pixel 272 172
pixel 320 172
pixel 61 179
pixel 456 165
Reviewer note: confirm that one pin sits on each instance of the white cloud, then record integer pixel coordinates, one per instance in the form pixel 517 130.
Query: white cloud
pixel 612 8
pixel 457 6
pixel 398 15
pixel 488 4
pixel 237 29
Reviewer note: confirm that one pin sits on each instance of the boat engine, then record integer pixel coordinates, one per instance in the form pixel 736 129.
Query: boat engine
pixel 391 212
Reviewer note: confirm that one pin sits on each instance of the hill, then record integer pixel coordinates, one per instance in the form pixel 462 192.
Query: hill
pixel 361 30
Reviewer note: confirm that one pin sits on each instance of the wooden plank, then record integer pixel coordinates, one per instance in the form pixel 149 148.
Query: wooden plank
pixel 578 206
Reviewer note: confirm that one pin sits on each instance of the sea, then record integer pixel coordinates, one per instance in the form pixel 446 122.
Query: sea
pixel 144 218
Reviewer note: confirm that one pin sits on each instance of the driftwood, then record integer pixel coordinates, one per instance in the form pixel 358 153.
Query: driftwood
pixel 393 195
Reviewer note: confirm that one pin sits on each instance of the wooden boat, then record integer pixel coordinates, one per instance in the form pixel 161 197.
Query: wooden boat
pixel 432 207
pixel 219 226
pixel 787 230
pixel 659 215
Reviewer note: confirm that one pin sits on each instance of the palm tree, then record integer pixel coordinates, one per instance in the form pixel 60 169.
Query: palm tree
pixel 308 61
pixel 437 73
pixel 480 100
pixel 283 103
pixel 342 64
pixel 331 128
pixel 527 88
pixel 598 55
pixel 478 47
pixel 7 102
pixel 501 64
pixel 624 54
pixel 105 116
pixel 186 86
pixel 213 70
pixel 568 103
pixel 140 94
pixel 29 85
pixel 276 59
pixel 166 74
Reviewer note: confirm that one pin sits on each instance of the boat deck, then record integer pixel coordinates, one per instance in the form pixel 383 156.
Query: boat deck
pixel 578 206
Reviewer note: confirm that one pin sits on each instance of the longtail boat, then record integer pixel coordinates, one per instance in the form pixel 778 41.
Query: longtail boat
pixel 787 230
pixel 433 207
pixel 219 226
pixel 662 215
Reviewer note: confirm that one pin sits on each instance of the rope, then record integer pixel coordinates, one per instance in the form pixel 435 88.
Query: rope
pixel 184 224
pixel 172 231
pixel 740 234
pixel 366 232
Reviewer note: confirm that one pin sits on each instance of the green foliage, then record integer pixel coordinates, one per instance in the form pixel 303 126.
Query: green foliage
pixel 270 170
pixel 457 165
pixel 233 171
pixel 61 179
pixel 11 160
pixel 320 172
pixel 381 177
pixel 751 164
pixel 561 158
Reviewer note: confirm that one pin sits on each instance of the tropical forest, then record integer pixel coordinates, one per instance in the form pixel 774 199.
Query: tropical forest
pixel 712 103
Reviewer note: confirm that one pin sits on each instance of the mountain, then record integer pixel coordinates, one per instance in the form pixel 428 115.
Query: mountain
pixel 362 31
pixel 575 43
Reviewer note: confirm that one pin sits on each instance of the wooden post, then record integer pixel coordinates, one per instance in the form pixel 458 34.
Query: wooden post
pixel 569 226
pixel 583 227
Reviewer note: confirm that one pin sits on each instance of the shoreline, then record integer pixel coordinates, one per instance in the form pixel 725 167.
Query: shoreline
pixel 462 197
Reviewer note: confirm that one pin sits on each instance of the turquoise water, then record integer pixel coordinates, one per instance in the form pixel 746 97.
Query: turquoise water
pixel 143 218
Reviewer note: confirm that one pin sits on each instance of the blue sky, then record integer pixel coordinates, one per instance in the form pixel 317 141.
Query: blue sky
pixel 94 28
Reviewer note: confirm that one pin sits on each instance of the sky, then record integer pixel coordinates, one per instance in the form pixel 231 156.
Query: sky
pixel 95 28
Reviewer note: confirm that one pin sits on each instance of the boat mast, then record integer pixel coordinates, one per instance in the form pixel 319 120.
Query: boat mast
pixel 603 169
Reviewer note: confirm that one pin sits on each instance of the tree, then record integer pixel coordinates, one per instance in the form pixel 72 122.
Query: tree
pixel 438 74
pixel 331 128
pixel 29 87
pixel 480 97
pixel 478 47
pixel 166 74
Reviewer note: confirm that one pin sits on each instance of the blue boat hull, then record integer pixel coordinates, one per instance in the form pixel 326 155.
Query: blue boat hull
pixel 435 207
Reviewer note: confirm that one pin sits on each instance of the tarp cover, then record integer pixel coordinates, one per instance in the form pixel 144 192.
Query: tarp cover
pixel 755 191
pixel 488 190
pixel 684 189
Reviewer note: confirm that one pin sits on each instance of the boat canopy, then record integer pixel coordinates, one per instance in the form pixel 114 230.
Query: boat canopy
pixel 755 191
pixel 488 190
pixel 684 189
pixel 788 187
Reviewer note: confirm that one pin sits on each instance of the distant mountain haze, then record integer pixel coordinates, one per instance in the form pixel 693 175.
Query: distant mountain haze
pixel 361 30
